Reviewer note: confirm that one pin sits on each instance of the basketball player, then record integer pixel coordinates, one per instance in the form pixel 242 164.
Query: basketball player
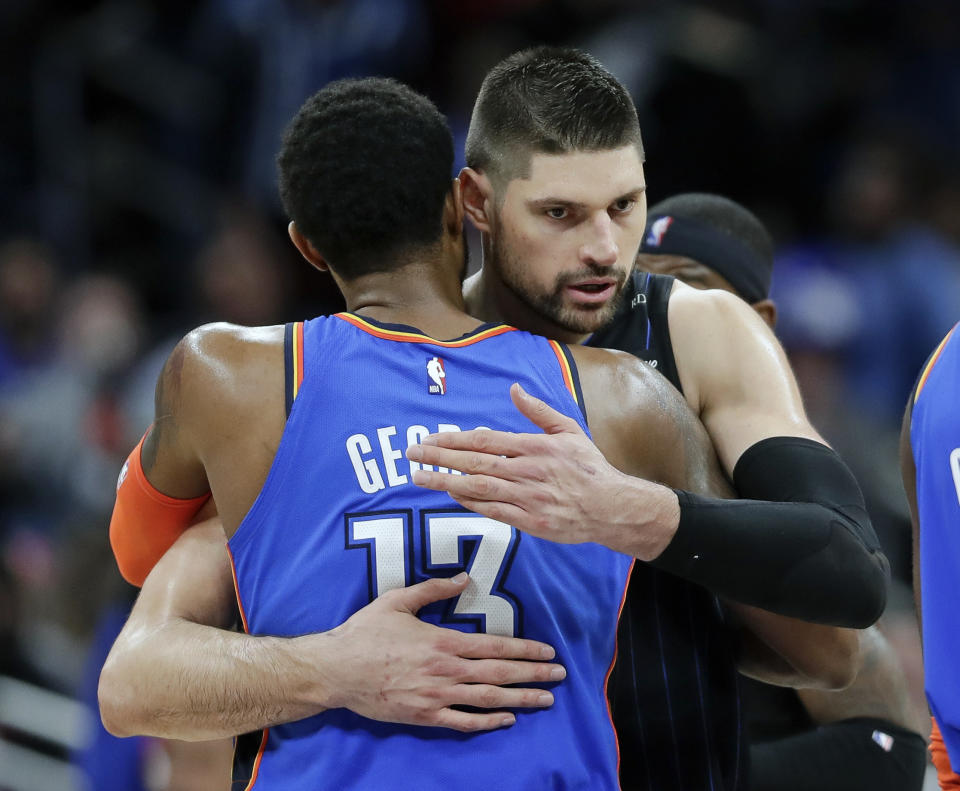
pixel 859 738
pixel 540 186
pixel 930 461
pixel 326 529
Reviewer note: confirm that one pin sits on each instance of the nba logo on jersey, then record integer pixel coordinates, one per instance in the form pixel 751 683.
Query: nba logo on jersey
pixel 657 230
pixel 438 376
pixel 885 740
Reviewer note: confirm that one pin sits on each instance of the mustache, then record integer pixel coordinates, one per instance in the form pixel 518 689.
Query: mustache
pixel 616 273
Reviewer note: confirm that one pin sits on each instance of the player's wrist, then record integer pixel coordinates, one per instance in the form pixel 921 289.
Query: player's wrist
pixel 313 660
pixel 653 514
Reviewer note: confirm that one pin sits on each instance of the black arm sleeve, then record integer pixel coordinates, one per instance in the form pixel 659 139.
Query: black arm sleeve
pixel 801 546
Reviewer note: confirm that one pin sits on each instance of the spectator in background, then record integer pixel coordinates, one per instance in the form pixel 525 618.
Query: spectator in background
pixel 903 278
pixel 29 279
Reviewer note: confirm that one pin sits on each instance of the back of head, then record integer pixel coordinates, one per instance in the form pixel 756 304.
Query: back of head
pixel 718 233
pixel 547 100
pixel 365 167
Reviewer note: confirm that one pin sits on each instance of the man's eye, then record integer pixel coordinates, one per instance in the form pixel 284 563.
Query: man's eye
pixel 624 204
pixel 557 213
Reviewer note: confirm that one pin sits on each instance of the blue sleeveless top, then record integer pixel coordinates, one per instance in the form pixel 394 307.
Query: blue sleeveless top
pixel 935 439
pixel 339 522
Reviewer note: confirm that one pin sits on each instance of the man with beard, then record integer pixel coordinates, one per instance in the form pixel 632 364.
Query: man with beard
pixel 559 251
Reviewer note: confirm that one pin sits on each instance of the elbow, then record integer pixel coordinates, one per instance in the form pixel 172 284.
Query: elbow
pixel 117 702
pixel 843 661
pixel 874 584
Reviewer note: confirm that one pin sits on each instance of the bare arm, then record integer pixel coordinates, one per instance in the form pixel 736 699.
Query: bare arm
pixel 792 653
pixel 178 671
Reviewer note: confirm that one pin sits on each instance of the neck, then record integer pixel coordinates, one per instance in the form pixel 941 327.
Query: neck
pixel 488 298
pixel 417 295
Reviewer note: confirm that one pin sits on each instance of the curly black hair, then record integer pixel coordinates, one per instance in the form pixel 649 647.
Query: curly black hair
pixel 365 167
pixel 550 100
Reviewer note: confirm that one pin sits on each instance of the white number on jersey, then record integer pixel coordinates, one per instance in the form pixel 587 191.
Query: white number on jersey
pixel 386 537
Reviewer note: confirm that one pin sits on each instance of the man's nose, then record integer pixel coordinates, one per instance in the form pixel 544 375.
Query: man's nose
pixel 600 247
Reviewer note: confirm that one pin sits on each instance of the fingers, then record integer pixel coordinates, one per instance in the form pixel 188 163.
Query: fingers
pixel 542 414
pixel 507 513
pixel 474 487
pixel 491 646
pixel 488 696
pixel 482 440
pixel 468 461
pixel 468 722
pixel 499 672
pixel 412 598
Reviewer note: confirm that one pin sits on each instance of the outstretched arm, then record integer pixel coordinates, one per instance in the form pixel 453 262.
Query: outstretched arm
pixel 776 649
pixel 802 545
pixel 178 671
pixel 771 555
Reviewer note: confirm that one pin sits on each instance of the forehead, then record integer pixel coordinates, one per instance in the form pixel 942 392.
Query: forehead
pixel 587 177
pixel 689 270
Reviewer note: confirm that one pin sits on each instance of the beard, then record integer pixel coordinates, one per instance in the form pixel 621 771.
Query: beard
pixel 552 304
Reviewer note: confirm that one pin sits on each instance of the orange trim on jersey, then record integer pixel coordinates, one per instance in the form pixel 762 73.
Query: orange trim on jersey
pixel 297 357
pixel 616 650
pixel 257 760
pixel 933 359
pixel 236 590
pixel 416 337
pixel 246 629
pixel 565 369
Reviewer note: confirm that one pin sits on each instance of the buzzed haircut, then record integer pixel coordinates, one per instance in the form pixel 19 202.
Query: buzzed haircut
pixel 365 167
pixel 551 100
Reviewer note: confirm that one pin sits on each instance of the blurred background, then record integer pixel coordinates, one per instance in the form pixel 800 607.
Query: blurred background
pixel 138 200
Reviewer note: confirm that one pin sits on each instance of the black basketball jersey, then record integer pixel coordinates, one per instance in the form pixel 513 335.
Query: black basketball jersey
pixel 674 688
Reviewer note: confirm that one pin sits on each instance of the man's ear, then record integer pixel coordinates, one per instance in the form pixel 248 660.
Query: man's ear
pixel 307 250
pixel 453 210
pixel 477 192
pixel 767 309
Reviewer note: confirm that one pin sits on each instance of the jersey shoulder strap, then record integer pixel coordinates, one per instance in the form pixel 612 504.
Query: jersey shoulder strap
pixel 640 324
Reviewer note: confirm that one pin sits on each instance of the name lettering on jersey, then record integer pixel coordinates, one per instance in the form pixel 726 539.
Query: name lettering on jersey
pixel 378 461
pixel 438 376
pixel 639 299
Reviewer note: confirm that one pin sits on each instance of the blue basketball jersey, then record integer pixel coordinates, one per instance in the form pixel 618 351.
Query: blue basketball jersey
pixel 935 439
pixel 339 522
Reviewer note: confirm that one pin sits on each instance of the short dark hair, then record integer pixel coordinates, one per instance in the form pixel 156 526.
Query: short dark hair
pixel 365 168
pixel 550 100
pixel 721 214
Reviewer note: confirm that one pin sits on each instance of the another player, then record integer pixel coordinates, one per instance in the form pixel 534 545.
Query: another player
pixel 930 460
pixel 543 188
pixel 864 736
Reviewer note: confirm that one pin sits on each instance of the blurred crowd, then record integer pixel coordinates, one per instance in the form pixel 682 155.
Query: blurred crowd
pixel 139 200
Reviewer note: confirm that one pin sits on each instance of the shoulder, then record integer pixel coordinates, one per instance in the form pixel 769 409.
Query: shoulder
pixel 218 363
pixel 714 309
pixel 625 399
pixel 601 369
